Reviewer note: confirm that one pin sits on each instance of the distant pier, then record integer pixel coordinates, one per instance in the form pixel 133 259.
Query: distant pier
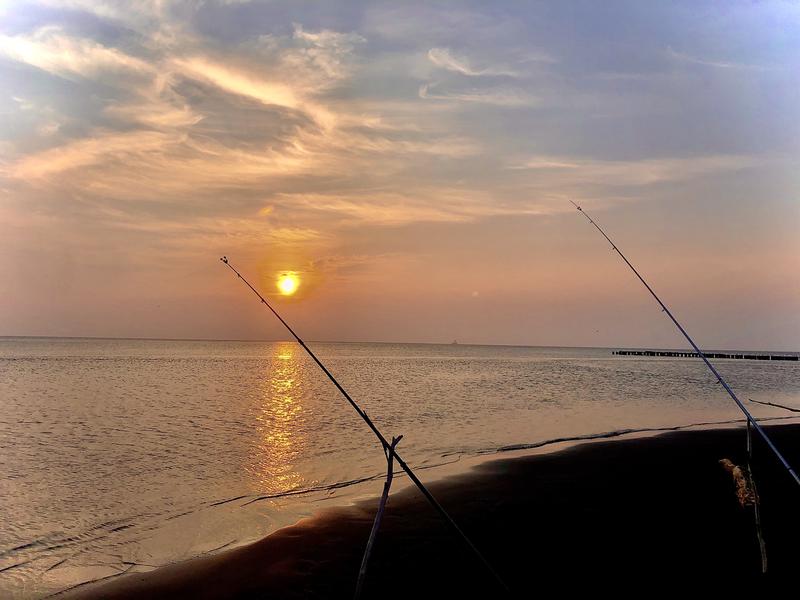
pixel 683 354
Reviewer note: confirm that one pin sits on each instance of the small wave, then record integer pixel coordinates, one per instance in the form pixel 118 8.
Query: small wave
pixel 228 500
pixel 89 582
pixel 32 544
pixel 604 435
pixel 14 566
pixel 332 487
pixel 320 488
pixel 57 564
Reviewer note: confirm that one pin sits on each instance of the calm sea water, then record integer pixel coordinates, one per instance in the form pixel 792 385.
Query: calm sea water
pixel 122 455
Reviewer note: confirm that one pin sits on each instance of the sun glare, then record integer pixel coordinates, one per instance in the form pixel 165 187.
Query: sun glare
pixel 288 283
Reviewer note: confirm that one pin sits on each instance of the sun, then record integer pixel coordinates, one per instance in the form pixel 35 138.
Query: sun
pixel 288 282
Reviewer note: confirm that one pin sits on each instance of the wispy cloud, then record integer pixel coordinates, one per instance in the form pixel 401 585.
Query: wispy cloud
pixel 49 49
pixel 231 80
pixel 325 51
pixel 716 64
pixel 445 59
pixel 148 13
pixel 91 151
pixel 148 97
pixel 635 172
pixel 494 96
pixel 419 205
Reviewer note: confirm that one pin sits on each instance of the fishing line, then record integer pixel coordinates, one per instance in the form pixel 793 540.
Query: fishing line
pixel 700 353
pixel 386 445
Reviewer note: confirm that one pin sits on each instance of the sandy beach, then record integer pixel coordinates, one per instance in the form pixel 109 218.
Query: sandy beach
pixel 610 515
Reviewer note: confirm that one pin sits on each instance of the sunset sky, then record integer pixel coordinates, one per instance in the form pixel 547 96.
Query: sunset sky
pixel 411 162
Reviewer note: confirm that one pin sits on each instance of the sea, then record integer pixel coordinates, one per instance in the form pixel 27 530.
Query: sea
pixel 119 456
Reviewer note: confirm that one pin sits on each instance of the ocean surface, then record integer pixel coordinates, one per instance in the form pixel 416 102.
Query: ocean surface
pixel 123 455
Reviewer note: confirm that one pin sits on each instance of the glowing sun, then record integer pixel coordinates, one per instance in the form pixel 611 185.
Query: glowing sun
pixel 287 283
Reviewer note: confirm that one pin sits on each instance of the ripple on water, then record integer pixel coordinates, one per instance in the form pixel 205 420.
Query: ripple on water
pixel 119 455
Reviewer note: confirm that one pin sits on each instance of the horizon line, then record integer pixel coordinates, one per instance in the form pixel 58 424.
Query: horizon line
pixel 454 343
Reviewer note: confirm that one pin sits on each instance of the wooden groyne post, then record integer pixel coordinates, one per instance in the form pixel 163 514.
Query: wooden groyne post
pixel 687 354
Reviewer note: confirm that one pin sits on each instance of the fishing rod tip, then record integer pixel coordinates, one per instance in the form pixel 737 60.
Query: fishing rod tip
pixel 224 259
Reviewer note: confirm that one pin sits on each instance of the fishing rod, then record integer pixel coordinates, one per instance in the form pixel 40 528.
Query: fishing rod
pixel 700 353
pixel 384 442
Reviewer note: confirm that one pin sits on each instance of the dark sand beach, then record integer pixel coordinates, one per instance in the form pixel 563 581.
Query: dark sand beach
pixel 628 516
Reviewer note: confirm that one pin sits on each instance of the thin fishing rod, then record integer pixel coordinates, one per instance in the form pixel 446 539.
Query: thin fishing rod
pixel 700 353
pixel 386 445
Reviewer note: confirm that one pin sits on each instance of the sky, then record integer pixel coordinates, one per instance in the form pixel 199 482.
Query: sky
pixel 412 162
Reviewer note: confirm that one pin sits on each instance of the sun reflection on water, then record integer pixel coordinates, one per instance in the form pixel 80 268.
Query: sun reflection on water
pixel 281 424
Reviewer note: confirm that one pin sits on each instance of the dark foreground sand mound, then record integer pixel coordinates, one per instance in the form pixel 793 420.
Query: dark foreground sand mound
pixel 636 516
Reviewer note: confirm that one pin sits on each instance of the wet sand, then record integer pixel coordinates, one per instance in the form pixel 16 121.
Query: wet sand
pixel 629 516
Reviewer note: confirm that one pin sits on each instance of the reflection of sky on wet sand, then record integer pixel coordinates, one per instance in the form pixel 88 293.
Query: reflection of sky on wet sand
pixel 280 420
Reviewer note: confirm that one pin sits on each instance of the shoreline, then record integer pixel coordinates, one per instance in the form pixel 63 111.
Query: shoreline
pixel 566 499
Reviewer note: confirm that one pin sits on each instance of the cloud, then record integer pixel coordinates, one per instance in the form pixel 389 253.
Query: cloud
pixel 48 122
pixel 420 204
pixel 310 62
pixel 444 59
pixel 505 96
pixel 146 89
pixel 682 57
pixel 156 165
pixel 147 15
pixel 50 50
pixel 294 73
pixel 237 82
pixel 231 231
pixel 173 163
pixel 325 51
pixel 634 172
pixel 90 151
pixel 316 61
pixel 495 96
pixel 153 110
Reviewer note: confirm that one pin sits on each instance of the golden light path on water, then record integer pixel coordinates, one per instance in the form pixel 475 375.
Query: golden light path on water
pixel 280 421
